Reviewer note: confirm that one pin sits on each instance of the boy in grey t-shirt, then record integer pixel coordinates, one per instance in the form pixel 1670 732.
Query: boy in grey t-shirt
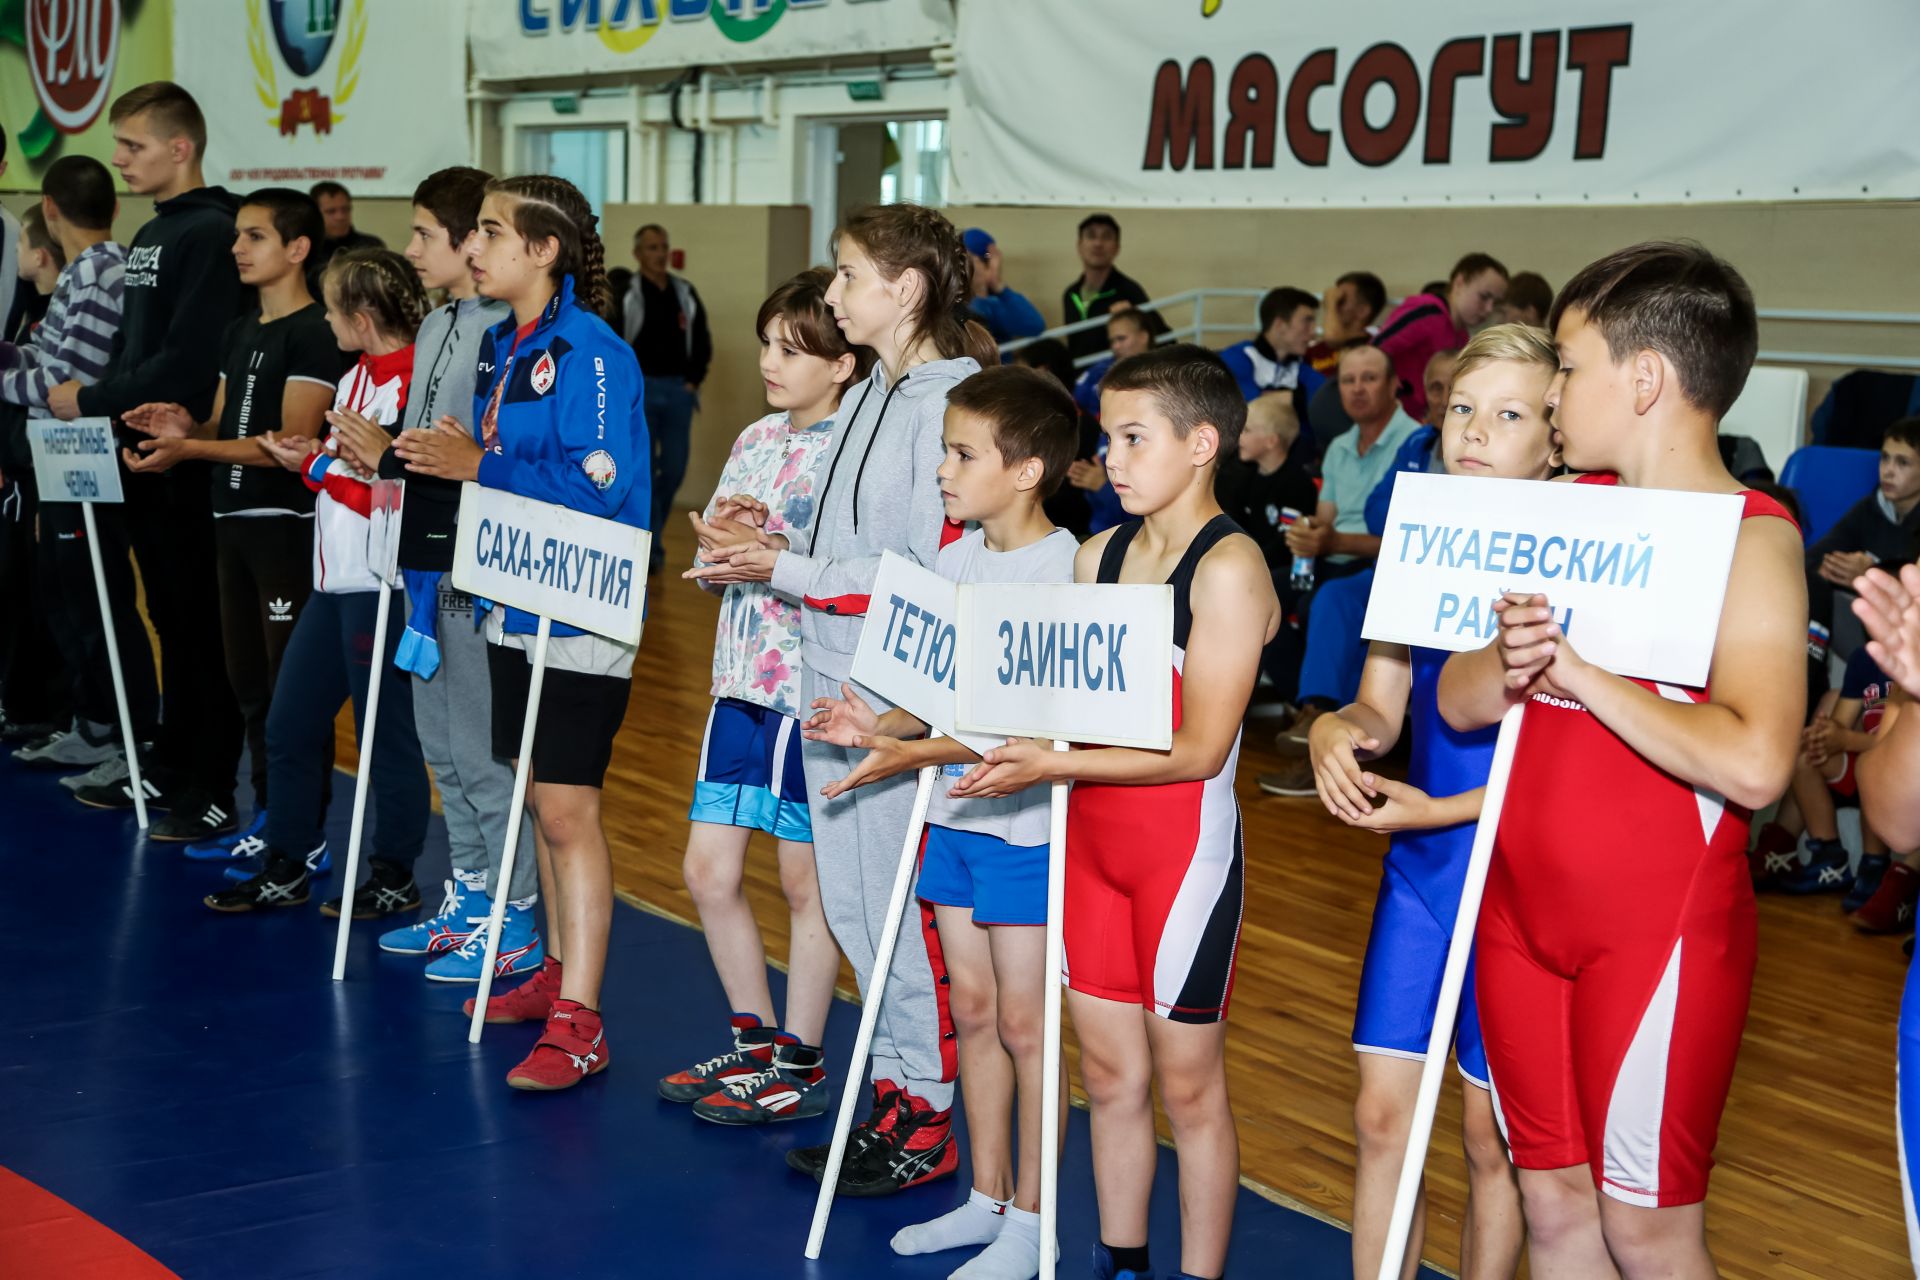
pixel 1010 434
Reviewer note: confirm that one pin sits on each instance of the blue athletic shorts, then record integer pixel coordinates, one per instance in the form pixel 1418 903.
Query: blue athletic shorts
pixel 750 772
pixel 1907 1111
pixel 1003 883
pixel 1400 981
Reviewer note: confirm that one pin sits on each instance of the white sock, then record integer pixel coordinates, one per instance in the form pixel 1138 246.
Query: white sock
pixel 977 1221
pixel 475 880
pixel 523 904
pixel 1014 1254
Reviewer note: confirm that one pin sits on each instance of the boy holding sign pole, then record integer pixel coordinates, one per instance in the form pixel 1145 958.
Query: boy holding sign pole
pixel 1011 433
pixel 558 420
pixel 1155 874
pixel 1495 422
pixel 1616 940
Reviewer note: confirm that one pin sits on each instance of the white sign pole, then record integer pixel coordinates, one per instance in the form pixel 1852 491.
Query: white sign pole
pixel 521 771
pixel 113 664
pixel 869 1010
pixel 1051 1099
pixel 1453 979
pixel 360 775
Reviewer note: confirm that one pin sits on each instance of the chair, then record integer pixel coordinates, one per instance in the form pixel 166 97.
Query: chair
pixel 1828 481
pixel 1773 412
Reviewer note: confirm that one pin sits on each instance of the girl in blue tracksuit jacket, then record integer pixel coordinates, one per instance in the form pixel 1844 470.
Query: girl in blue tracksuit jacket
pixel 558 418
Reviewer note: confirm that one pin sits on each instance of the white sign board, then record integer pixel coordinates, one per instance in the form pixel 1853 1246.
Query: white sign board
pixel 909 647
pixel 1635 576
pixel 577 569
pixel 1078 662
pixel 75 461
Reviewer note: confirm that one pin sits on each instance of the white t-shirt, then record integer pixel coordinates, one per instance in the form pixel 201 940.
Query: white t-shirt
pixel 1017 819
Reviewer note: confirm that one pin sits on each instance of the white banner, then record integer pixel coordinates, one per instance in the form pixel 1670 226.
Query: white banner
pixel 516 39
pixel 371 93
pixel 909 647
pixel 75 461
pixel 577 569
pixel 1636 577
pixel 1082 662
pixel 1406 102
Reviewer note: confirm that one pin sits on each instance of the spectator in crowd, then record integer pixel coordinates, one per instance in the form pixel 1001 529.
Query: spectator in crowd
pixel 1353 304
pixel 1101 287
pixel 1266 479
pixel 1005 312
pixel 1880 529
pixel 1069 507
pixel 1274 360
pixel 1337 535
pixel 1129 332
pixel 336 207
pixel 666 325
pixel 1434 320
pixel 1436 380
pixel 1529 298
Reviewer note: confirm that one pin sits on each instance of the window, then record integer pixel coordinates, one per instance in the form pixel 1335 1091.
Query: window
pixel 916 162
pixel 594 160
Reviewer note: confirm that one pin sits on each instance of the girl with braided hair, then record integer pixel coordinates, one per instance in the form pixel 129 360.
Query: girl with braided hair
pixel 374 303
pixel 558 417
pixel 901 287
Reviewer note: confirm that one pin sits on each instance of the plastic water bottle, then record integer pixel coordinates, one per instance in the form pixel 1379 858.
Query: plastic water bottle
pixel 1301 579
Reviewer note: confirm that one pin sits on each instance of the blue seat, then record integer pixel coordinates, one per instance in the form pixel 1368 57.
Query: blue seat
pixel 1829 480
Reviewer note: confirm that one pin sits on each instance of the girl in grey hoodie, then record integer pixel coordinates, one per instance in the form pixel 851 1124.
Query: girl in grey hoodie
pixel 901 288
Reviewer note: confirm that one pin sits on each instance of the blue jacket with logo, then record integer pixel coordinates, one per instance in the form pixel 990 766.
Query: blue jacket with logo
pixel 571 430
pixel 1419 453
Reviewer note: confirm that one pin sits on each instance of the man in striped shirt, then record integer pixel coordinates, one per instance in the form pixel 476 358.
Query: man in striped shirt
pixel 72 343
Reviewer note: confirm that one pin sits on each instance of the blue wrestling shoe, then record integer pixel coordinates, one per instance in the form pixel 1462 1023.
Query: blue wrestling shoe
pixel 1104 1268
pixel 446 929
pixel 1866 881
pixel 521 950
pixel 244 843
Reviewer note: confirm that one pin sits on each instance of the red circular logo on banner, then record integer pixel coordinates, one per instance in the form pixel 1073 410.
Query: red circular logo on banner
pixel 71 49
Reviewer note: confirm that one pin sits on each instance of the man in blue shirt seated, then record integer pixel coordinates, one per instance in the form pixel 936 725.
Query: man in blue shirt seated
pixel 1006 313
pixel 1274 361
pixel 1129 333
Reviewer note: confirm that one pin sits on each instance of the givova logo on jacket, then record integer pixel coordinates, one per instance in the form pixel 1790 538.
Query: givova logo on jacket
pixel 303 35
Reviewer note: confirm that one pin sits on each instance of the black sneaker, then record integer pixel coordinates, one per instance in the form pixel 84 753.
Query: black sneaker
pixel 812 1161
pixel 119 795
pixel 283 883
pixel 911 1146
pixel 389 890
pixel 197 816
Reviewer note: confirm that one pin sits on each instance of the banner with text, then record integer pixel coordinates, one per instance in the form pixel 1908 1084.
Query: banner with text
pixel 370 93
pixel 577 569
pixel 75 461
pixel 909 646
pixel 1083 662
pixel 1636 577
pixel 518 39
pixel 62 63
pixel 1250 102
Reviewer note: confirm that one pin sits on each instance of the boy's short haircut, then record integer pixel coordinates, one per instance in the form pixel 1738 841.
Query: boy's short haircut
pixel 453 195
pixel 1678 299
pixel 651 226
pixel 81 188
pixel 1282 303
pixel 1530 290
pixel 1474 264
pixel 1191 385
pixel 1509 344
pixel 170 109
pixel 33 222
pixel 328 187
pixel 1133 316
pixel 295 215
pixel 1273 413
pixel 1031 414
pixel 1370 289
pixel 1099 220
pixel 801 306
pixel 1906 431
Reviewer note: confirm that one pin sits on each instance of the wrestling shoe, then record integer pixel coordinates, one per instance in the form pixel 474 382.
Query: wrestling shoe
pixel 1866 881
pixel 1775 852
pixel 243 843
pixel 912 1145
pixel 197 816
pixel 1294 780
pixel 446 929
pixel 1104 1267
pixel 319 863
pixel 573 1048
pixel 389 889
pixel 812 1161
pixel 281 883
pixel 1826 870
pixel 521 950
pixel 531 1001
pixel 752 1054
pixel 794 1087
pixel 1890 909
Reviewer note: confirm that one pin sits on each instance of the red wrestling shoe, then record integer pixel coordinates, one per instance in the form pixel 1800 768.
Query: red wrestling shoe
pixel 531 1001
pixel 574 1047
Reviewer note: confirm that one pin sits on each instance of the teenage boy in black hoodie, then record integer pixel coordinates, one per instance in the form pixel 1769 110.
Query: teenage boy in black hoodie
pixel 182 290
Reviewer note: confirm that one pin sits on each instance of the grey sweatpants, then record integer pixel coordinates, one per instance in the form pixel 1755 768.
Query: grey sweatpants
pixel 856 847
pixel 453 714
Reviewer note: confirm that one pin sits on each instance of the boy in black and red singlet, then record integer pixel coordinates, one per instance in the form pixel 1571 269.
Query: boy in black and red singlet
pixel 1155 872
pixel 1616 943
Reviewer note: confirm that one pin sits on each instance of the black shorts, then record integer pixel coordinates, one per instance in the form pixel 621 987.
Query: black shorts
pixel 580 716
